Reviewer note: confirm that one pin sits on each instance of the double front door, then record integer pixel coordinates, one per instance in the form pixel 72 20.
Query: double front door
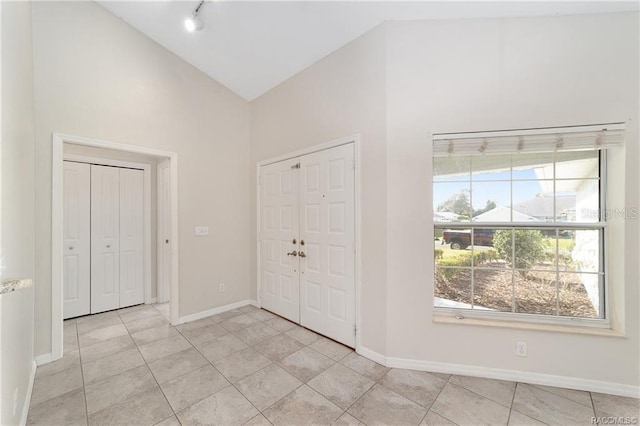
pixel 103 238
pixel 307 241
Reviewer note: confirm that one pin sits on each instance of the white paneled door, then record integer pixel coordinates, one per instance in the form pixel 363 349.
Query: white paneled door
pixel 77 237
pixel 131 237
pixel 327 238
pixel 280 290
pixel 307 237
pixel 105 238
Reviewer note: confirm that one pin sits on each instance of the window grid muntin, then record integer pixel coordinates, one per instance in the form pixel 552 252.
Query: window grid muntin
pixel 600 226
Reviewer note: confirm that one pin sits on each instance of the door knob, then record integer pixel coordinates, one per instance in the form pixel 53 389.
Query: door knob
pixel 302 254
pixel 293 253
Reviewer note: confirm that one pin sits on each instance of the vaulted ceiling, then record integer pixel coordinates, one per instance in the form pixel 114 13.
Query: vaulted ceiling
pixel 251 47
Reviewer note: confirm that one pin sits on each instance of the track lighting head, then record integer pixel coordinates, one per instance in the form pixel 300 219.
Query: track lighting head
pixel 195 23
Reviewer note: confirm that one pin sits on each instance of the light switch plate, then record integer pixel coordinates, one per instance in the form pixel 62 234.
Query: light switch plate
pixel 202 230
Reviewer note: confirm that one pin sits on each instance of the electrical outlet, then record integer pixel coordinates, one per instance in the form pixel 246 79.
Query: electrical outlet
pixel 521 348
pixel 202 230
pixel 15 402
pixel 222 287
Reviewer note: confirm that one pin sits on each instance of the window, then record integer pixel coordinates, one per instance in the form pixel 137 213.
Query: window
pixel 520 224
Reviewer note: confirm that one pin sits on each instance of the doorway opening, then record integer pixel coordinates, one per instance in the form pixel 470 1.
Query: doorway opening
pixel 160 224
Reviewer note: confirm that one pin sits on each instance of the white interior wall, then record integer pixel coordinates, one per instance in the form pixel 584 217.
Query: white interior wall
pixel 342 95
pixel 460 76
pixel 97 77
pixel 110 154
pixel 17 252
pixel 456 76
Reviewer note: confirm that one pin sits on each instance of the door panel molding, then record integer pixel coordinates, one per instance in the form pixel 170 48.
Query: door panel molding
pixel 278 230
pixel 77 239
pixel 264 283
pixel 105 238
pixel 131 237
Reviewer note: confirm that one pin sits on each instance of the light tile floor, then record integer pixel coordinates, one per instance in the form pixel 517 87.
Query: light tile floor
pixel 249 366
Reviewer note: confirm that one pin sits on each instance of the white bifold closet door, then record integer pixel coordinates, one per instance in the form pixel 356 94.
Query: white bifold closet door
pixel 131 237
pixel 116 238
pixel 307 237
pixel 105 238
pixel 76 236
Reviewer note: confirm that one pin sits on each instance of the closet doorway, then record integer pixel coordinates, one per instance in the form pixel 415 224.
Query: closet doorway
pixel 118 156
pixel 307 240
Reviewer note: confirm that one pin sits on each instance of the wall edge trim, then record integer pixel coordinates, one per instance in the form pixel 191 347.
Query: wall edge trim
pixel 44 359
pixel 27 397
pixel 568 382
pixel 215 311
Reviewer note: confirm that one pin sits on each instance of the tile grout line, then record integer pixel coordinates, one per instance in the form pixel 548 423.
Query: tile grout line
pixel 513 398
pixel 593 405
pixel 375 382
pixel 106 378
pixel 219 372
pixel 151 372
pixel 448 381
pixel 563 397
pixel 84 388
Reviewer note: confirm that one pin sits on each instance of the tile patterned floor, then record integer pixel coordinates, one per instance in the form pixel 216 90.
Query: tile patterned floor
pixel 251 367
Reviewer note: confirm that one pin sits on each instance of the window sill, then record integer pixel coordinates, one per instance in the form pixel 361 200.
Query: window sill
pixel 521 325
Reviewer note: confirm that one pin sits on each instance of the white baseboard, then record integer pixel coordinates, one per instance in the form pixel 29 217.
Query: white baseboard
pixel 27 398
pixel 151 300
pixel 372 355
pixel 215 311
pixel 44 359
pixel 502 374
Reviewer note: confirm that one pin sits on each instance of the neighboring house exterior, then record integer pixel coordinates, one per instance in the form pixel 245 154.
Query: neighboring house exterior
pixel 503 214
pixel 542 209
pixel 445 217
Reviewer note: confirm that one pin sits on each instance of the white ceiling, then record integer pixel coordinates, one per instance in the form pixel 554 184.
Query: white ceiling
pixel 252 46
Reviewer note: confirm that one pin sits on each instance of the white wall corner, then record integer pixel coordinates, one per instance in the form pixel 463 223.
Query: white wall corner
pixel 372 355
pixel 27 398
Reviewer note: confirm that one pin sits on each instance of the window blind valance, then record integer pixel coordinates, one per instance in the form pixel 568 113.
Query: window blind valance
pixel 575 138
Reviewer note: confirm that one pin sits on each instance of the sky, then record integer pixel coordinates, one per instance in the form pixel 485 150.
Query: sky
pixel 489 186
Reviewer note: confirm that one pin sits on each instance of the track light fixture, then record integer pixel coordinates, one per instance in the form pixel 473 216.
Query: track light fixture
pixel 194 23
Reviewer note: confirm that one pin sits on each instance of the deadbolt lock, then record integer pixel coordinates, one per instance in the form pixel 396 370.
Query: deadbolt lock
pixel 301 242
pixel 294 241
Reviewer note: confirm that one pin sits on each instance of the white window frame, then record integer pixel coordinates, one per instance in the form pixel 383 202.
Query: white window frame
pixel 601 225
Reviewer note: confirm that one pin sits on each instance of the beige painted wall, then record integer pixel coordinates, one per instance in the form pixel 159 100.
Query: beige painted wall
pixel 97 77
pixel 506 74
pixel 342 95
pixel 17 214
pixel 109 154
pixel 457 76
